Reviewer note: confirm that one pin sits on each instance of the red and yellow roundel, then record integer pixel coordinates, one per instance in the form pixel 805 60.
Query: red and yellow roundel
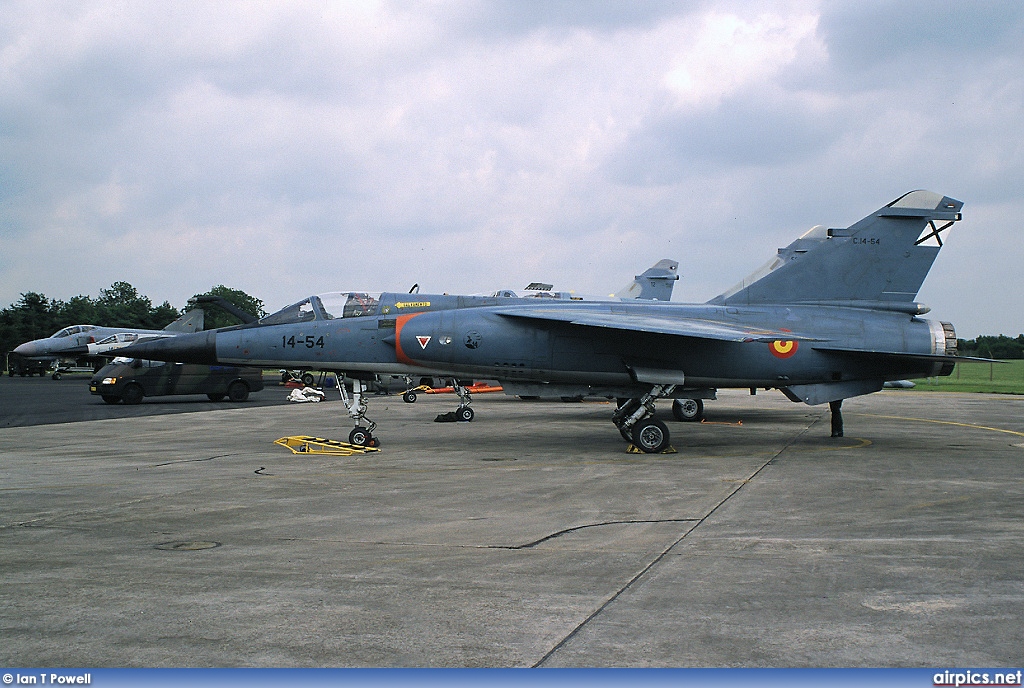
pixel 783 349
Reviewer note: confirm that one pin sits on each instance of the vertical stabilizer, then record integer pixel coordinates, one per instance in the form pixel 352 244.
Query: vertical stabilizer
pixel 654 284
pixel 882 259
pixel 192 321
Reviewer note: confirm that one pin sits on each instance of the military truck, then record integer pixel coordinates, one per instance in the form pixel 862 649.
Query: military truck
pixel 129 380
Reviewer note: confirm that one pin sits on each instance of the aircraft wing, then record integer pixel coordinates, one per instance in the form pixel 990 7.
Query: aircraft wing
pixel 637 322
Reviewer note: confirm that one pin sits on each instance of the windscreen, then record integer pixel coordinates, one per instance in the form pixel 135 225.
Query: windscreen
pixel 295 313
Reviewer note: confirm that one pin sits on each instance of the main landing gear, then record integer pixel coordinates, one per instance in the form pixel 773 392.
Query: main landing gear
pixel 464 413
pixel 636 423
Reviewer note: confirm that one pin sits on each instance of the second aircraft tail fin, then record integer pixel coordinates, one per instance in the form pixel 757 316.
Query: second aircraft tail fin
pixel 191 321
pixel 654 284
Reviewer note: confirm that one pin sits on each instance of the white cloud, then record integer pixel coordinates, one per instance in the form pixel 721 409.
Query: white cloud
pixel 729 53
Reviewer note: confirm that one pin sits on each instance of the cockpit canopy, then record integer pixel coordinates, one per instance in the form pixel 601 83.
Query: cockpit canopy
pixel 74 329
pixel 119 338
pixel 329 306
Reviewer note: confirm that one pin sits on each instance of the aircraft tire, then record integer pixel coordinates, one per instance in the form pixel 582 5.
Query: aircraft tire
pixel 464 414
pixel 132 393
pixel 238 391
pixel 360 437
pixel 409 397
pixel 626 434
pixel 307 379
pixel 688 410
pixel 651 436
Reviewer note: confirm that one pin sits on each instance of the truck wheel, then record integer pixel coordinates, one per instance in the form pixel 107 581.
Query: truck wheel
pixel 238 391
pixel 132 393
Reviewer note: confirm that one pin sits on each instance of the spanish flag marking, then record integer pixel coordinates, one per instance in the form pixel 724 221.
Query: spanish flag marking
pixel 783 349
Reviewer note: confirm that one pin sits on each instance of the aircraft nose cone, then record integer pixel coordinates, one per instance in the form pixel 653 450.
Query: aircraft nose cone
pixel 27 349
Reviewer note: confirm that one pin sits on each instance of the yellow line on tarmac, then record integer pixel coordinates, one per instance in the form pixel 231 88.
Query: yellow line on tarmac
pixel 945 422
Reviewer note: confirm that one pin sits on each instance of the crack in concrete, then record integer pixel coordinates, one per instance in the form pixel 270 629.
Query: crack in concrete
pixel 640 574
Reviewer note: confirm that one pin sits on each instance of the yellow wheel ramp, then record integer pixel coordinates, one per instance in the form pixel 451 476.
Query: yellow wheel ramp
pixel 305 444
pixel 633 449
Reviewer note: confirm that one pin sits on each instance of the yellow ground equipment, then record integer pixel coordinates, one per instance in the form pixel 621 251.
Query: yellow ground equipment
pixel 304 444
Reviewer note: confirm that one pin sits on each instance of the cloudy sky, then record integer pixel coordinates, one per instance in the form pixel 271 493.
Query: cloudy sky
pixel 288 148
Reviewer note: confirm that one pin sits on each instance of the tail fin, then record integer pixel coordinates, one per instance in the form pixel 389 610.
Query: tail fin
pixel 654 284
pixel 880 261
pixel 192 321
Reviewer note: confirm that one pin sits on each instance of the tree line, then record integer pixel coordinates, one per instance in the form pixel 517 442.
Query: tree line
pixel 986 346
pixel 35 316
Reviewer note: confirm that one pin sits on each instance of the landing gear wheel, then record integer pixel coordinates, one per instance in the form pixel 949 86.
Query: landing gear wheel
pixel 688 410
pixel 651 436
pixel 464 414
pixel 626 434
pixel 409 397
pixel 307 379
pixel 132 394
pixel 361 437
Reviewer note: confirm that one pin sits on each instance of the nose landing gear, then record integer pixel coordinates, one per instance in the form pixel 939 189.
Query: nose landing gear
pixel 362 433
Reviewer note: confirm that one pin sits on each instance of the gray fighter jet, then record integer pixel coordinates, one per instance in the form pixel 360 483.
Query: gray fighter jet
pixel 90 341
pixel 832 316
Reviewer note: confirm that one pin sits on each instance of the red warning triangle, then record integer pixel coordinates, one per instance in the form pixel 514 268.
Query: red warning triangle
pixel 423 341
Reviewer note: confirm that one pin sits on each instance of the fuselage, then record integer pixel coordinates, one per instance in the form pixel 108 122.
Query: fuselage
pixel 483 337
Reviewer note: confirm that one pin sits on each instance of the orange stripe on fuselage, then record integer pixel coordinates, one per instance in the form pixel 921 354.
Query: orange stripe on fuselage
pixel 400 322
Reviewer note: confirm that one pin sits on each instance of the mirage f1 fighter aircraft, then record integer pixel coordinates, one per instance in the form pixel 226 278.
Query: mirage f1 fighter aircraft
pixel 92 341
pixel 832 316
